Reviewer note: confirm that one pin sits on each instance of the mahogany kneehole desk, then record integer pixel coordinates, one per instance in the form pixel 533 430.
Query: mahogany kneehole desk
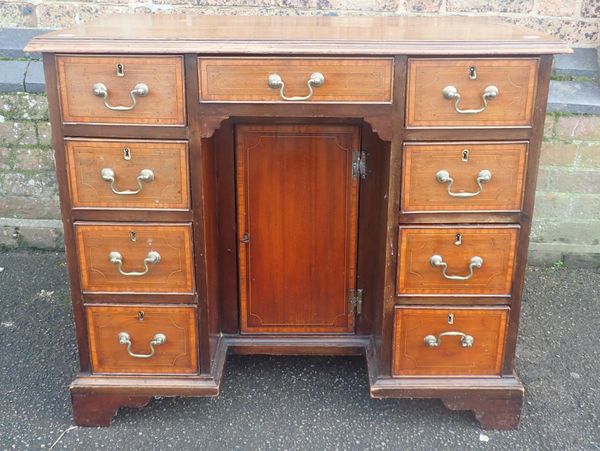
pixel 297 185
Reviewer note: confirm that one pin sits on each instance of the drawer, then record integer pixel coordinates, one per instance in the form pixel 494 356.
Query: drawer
pixel 456 260
pixel 135 258
pixel 365 80
pixel 121 89
pixel 452 177
pixel 141 339
pixel 128 174
pixel 471 92
pixel 448 341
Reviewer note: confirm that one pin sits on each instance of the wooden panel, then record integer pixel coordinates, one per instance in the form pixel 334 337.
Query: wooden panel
pixel 167 160
pixel 164 104
pixel 245 79
pixel 205 225
pixel 132 215
pixel 372 230
pixel 177 355
pixel 382 338
pixel 412 357
pixel 298 202
pixel 173 274
pixel 495 245
pixel 514 78
pixel 422 192
pixel 300 35
pixel 65 212
pixel 544 75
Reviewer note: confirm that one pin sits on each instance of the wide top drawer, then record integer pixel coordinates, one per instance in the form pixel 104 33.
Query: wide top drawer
pixel 330 80
pixel 471 92
pixel 121 89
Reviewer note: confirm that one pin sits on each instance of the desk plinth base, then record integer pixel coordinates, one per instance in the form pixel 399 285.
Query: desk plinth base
pixel 495 401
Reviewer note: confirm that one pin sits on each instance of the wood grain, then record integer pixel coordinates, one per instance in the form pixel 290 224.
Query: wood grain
pixel 91 410
pixel 495 401
pixel 545 72
pixel 372 230
pixel 383 328
pixel 413 358
pixel 492 412
pixel 505 55
pixel 178 355
pixel 298 203
pixel 203 171
pixel 495 245
pixel 150 385
pixel 421 192
pixel 515 79
pixel 167 160
pixel 229 302
pixel 245 79
pixel 66 211
pixel 298 35
pixel 173 274
pixel 132 215
pixel 164 104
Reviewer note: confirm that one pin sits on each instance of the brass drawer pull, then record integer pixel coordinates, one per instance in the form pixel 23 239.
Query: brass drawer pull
pixel 141 90
pixel 438 262
pixel 158 339
pixel 276 82
pixel 466 341
pixel 116 258
pixel 108 175
pixel 484 176
pixel 451 93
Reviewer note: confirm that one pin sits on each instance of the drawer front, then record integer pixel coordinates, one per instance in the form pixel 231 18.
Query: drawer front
pixel 128 174
pixel 463 177
pixel 448 341
pixel 142 339
pixel 454 93
pixel 456 260
pixel 135 258
pixel 247 79
pixel 121 89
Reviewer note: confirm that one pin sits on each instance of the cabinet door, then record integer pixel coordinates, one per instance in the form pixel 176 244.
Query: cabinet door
pixel 297 227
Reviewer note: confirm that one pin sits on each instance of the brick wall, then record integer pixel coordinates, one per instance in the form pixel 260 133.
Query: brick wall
pixel 575 21
pixel 567 206
pixel 567 213
pixel 28 196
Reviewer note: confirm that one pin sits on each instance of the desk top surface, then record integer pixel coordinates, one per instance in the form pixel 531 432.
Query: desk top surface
pixel 299 35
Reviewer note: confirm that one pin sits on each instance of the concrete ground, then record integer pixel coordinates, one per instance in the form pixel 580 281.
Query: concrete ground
pixel 296 402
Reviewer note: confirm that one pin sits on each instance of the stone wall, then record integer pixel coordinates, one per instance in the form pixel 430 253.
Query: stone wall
pixel 567 206
pixel 29 208
pixel 567 213
pixel 575 21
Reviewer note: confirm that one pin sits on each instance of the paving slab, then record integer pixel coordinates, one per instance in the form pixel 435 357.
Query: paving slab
pixel 12 75
pixel 34 79
pixel 574 97
pixel 300 403
pixel 580 63
pixel 14 40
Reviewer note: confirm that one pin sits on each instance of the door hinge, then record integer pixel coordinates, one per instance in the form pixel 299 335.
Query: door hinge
pixel 359 164
pixel 355 298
